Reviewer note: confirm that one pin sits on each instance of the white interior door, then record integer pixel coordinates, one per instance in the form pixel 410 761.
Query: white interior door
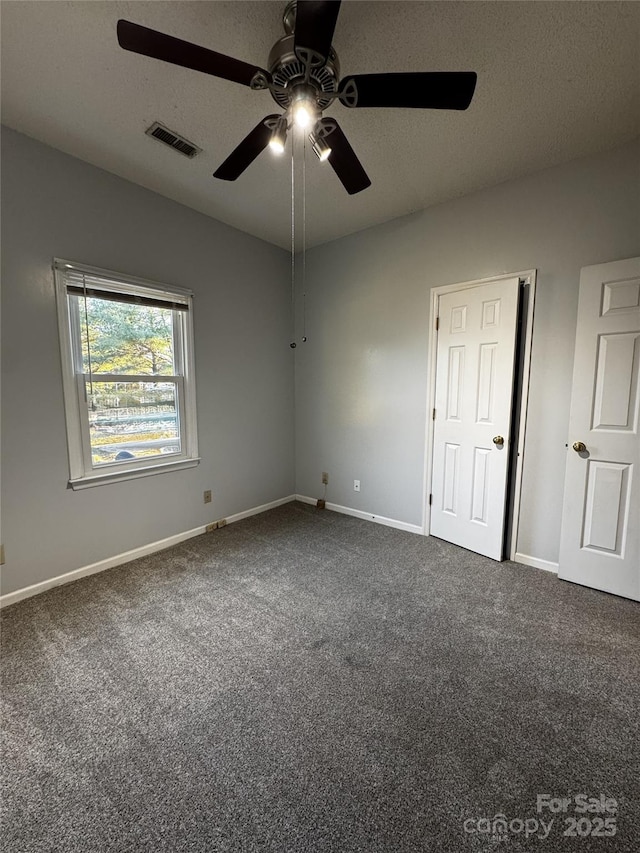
pixel 601 513
pixel 473 401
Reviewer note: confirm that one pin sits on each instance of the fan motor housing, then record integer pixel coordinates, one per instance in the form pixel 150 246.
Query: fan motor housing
pixel 286 70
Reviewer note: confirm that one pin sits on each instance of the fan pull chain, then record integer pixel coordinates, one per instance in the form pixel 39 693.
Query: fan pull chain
pixel 304 239
pixel 304 242
pixel 293 247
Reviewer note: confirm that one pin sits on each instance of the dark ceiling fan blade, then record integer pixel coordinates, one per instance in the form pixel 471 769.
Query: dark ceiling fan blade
pixel 157 45
pixel 244 155
pixel 432 90
pixel 314 28
pixel 343 158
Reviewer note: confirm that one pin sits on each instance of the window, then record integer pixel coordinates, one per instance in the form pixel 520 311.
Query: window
pixel 128 375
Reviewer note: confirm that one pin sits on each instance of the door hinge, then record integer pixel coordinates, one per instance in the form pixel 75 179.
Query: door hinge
pixel 433 416
pixel 437 323
pixel 430 499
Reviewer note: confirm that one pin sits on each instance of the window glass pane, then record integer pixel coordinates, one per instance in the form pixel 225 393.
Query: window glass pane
pixel 121 338
pixel 132 420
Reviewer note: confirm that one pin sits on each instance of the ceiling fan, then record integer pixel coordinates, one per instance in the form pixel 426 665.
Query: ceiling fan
pixel 303 78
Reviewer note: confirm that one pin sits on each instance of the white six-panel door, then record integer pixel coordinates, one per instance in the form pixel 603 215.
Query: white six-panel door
pixel 601 514
pixel 473 402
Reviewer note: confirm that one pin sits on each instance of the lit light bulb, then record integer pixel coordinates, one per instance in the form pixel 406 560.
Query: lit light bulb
pixel 302 116
pixel 319 145
pixel 303 105
pixel 278 136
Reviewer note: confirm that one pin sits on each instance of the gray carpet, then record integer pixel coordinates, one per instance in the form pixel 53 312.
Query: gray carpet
pixel 305 681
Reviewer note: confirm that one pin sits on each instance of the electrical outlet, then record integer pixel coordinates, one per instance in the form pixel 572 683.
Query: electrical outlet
pixel 222 522
pixel 325 478
pixel 356 485
pixel 320 503
pixel 207 496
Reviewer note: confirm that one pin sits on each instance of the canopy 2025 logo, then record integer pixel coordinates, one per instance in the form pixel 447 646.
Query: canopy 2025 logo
pixel 590 816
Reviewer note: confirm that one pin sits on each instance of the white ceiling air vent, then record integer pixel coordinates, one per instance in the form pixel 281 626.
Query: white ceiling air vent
pixel 179 143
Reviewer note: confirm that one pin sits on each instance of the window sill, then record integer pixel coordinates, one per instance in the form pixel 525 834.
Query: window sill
pixel 132 474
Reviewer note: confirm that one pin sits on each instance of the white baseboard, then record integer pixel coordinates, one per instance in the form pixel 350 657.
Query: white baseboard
pixel 127 556
pixel 367 516
pixel 256 510
pixel 305 500
pixel 536 562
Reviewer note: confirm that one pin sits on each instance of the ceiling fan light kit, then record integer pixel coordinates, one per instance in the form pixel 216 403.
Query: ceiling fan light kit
pixel 319 146
pixel 303 107
pixel 279 135
pixel 303 78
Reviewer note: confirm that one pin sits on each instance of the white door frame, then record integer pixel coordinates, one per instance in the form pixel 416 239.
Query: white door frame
pixel 527 277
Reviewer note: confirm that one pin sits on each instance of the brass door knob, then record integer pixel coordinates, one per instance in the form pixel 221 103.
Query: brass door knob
pixel 498 439
pixel 579 446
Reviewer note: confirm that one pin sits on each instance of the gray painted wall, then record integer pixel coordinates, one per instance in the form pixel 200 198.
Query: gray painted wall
pixel 361 379
pixel 55 205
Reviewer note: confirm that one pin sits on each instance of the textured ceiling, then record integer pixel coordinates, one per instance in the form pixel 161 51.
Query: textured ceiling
pixel 555 81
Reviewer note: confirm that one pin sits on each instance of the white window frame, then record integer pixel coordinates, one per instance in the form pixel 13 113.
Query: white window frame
pixel 82 472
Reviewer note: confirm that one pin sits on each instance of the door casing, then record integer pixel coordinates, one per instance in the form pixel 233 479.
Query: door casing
pixel 521 393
